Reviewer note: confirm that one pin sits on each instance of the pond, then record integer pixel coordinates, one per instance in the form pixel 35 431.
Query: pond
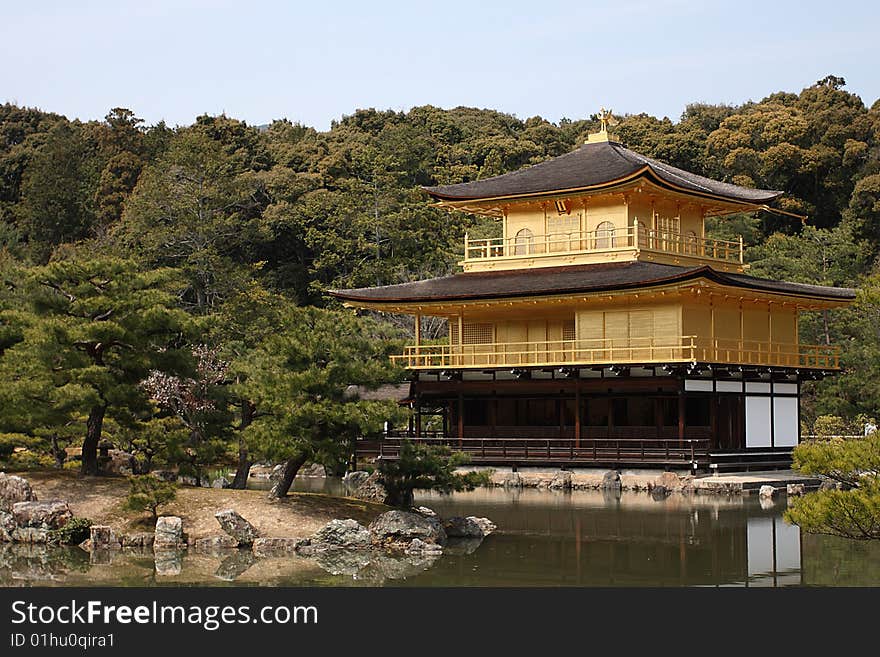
pixel 544 538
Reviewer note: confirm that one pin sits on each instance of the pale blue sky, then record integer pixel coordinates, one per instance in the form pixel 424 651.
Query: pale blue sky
pixel 313 62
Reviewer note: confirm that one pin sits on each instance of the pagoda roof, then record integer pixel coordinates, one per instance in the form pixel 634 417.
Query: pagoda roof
pixel 574 279
pixel 594 166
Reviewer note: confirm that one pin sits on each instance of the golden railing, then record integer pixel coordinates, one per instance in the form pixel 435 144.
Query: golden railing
pixel 632 237
pixel 612 351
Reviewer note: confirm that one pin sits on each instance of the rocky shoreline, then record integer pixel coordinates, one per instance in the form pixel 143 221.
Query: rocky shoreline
pixel 396 541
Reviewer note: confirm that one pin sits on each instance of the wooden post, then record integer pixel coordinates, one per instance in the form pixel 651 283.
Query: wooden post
pixel 418 416
pixel 577 412
pixel 681 413
pixel 460 418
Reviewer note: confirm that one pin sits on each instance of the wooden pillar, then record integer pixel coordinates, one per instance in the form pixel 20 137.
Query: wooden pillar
pixel 460 418
pixel 447 408
pixel 681 413
pixel 418 331
pixel 418 416
pixel 560 414
pixel 577 412
pixel 493 416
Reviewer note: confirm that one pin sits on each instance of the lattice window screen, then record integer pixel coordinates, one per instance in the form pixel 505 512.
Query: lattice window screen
pixel 563 224
pixel 453 331
pixel 668 225
pixel 568 330
pixel 479 333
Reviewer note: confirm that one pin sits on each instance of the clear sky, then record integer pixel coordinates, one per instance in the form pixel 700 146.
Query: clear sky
pixel 314 61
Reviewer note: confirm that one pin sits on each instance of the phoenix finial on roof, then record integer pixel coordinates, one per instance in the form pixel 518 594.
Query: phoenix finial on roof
pixel 605 118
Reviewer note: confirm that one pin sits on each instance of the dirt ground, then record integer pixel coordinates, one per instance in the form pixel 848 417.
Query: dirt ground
pixel 100 499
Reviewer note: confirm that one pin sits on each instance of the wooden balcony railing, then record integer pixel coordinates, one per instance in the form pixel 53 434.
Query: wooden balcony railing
pixel 616 351
pixel 686 452
pixel 632 237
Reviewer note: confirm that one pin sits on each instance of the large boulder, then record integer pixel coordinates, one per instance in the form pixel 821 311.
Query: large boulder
pixel 117 462
pixel 352 480
pixel 237 527
pixel 138 540
pixel 42 515
pixel 343 534
pixel 169 534
pixel 470 527
pixel 371 490
pixel 312 470
pixel 14 489
pixel 401 527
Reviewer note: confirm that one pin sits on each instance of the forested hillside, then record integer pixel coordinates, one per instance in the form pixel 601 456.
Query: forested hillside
pixel 149 269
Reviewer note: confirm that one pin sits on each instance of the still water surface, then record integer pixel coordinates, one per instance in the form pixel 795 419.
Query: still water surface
pixel 544 538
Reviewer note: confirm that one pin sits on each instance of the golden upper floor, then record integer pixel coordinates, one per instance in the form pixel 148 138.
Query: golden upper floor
pixel 600 203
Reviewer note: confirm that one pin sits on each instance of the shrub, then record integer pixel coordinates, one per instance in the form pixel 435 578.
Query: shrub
pixel 74 532
pixel 148 493
pixel 425 467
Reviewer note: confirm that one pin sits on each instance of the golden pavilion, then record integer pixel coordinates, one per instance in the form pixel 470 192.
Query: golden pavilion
pixel 603 327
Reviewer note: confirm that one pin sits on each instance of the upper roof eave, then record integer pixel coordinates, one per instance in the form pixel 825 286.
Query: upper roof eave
pixel 595 167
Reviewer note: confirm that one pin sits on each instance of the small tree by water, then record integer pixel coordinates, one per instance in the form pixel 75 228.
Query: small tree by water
pixel 425 467
pixel 148 493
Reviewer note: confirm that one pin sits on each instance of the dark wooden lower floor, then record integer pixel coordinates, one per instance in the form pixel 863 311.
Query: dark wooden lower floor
pixel 664 420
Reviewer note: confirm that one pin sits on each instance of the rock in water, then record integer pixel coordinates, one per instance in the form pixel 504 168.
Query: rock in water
pixel 138 540
pixel 795 489
pixel 485 524
pixel 14 489
pixel 212 544
pixel 102 537
pixel 469 527
pixel 237 527
pixel 611 480
pixel 169 533
pixel 274 546
pixel 403 527
pixel 561 481
pixel 766 492
pixel 42 515
pixel 7 526
pixel 419 547
pixel 343 534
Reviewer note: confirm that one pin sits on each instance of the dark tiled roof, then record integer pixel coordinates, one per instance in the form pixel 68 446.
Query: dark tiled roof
pixel 572 280
pixel 595 165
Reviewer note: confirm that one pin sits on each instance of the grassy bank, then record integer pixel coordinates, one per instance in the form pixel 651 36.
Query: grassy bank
pixel 101 499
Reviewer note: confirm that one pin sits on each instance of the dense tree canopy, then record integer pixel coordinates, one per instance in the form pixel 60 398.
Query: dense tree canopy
pixel 233 227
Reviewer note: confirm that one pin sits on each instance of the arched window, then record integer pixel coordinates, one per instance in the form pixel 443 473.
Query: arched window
pixel 524 242
pixel 604 235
